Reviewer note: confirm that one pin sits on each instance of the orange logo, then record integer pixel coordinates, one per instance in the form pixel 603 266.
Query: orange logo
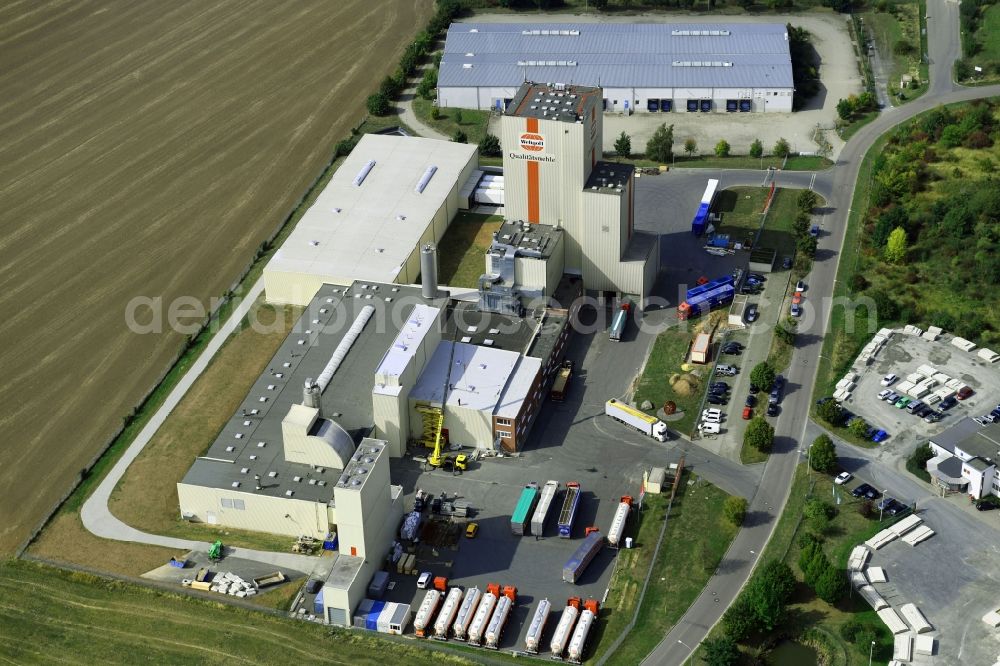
pixel 532 142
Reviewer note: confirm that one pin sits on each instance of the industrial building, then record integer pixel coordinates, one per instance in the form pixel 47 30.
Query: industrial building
pixel 966 458
pixel 553 175
pixel 641 67
pixel 391 196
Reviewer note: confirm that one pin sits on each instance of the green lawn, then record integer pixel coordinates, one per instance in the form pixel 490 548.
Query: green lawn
pixel 795 163
pixel 696 538
pixel 851 129
pixel 474 122
pixel 888 29
pixel 750 455
pixel 97 620
pixel 665 361
pixel 741 208
pixel 988 33
pixel 462 250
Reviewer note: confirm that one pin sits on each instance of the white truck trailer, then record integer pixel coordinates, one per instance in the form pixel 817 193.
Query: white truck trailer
pixel 534 637
pixel 644 423
pixel 447 615
pixel 466 612
pixel 549 491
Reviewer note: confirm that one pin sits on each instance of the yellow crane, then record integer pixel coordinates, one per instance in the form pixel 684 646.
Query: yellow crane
pixel 434 425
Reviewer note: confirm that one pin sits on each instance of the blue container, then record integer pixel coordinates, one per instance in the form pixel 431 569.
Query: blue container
pixel 318 604
pixel 372 622
pixel 331 544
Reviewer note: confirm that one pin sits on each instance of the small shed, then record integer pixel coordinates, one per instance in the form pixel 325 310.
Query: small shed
pixel 737 311
pixel 762 259
pixel 701 350
pixel 655 480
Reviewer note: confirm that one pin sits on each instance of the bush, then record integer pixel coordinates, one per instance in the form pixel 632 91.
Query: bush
pixel 623 145
pixel 690 146
pixel 858 427
pixel 722 148
pixel 903 48
pixel 756 149
pixel 759 434
pixel 762 376
pixel 831 586
pixel 823 455
pixel 721 651
pixel 378 104
pixel 457 116
pixel 831 412
pixel 460 137
pixel 781 147
pixel 490 146
pixel 735 510
pixel 428 84
pixel 866 508
pixel 818 514
pixel 807 201
pixel 435 113
pixel 740 619
pixel 922 454
pixel 858 282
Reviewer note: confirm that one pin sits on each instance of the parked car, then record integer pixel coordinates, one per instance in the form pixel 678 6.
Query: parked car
pixel 902 402
pixel 892 397
pixel 964 393
pixel 914 406
pixel 885 503
pixel 779 382
pixel 948 403
pixel 980 420
pixel 750 289
pixel 751 313
pixel 716 400
pixel 773 410
pixel 889 380
pixel 732 344
pixel 747 413
pixel 719 386
pixel 728 370
pixel 751 400
pixel 732 351
pixel 879 436
pixel 800 286
pixel 312 587
pixel 867 491
pixel 471 530
pixel 883 394
pixel 796 310
pixel 709 428
pixel 712 411
pixel 786 263
pixel 924 411
pixel 895 508
pixel 986 504
pixel 424 580
pixel 797 298
pixel 814 231
pixel 843 478
pixel 933 417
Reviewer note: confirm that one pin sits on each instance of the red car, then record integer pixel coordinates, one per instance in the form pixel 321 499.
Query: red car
pixel 747 413
pixel 964 393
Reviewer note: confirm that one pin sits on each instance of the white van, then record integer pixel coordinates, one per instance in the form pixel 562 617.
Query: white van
pixel 709 428
pixel 711 412
pixel 711 418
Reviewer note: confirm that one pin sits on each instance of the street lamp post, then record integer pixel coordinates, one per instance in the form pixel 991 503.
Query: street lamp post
pixel 871 651
pixel 881 506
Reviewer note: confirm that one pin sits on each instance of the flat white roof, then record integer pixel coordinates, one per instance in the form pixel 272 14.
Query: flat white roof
pixel 366 231
pixel 479 377
pixel 518 387
pixel 398 356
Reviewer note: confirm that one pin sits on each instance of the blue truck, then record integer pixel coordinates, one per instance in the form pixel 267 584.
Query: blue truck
pixel 568 512
pixel 577 564
pixel 700 220
pixel 704 297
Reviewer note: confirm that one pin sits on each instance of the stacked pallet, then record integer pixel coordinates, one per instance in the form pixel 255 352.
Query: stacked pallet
pixel 918 535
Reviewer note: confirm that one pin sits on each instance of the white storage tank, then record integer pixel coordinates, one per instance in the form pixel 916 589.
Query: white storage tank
pixel 534 637
pixel 579 641
pixel 466 612
pixel 447 614
pixel 495 628
pixel 563 630
pixel 618 522
pixel 483 613
pixel 426 612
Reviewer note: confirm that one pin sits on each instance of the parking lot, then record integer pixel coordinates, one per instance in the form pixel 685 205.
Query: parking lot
pixel 902 355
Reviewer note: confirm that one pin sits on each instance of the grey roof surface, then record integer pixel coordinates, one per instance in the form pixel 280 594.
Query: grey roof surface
pixel 617 55
pixel 951 468
pixel 609 177
pixel 549 102
pixel 344 571
pixel 347 400
pixel 955 434
pixel 985 443
pixel 540 238
pixel 979 464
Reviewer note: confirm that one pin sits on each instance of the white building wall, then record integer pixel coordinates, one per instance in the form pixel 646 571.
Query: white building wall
pixel 261 513
pixel 466 426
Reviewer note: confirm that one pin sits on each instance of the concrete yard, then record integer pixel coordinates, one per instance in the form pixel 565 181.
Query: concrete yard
pixel 952 579
pixel 245 569
pixel 902 355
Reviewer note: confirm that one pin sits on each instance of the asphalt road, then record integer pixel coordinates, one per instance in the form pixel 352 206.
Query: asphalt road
pixel 837 185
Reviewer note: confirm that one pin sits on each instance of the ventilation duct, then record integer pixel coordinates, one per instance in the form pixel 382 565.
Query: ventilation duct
pixel 365 170
pixel 310 394
pixel 345 346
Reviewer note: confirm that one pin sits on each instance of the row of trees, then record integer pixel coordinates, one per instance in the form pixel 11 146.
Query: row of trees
pixel 805 242
pixel 660 147
pixel 827 581
pixel 851 107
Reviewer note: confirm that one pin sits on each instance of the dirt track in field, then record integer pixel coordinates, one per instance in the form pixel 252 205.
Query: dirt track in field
pixel 147 149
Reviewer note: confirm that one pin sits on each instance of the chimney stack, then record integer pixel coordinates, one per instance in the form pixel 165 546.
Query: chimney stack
pixel 428 272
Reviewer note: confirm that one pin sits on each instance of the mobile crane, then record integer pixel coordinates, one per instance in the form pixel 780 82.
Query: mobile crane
pixel 434 426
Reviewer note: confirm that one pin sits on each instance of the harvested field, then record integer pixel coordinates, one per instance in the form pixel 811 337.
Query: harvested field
pixel 148 149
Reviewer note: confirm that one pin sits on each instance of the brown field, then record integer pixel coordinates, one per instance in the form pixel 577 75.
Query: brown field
pixel 147 149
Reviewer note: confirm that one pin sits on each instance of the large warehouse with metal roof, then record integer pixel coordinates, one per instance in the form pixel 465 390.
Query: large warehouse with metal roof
pixel 642 67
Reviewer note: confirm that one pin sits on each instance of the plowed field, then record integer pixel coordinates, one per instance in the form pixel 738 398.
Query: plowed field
pixel 147 149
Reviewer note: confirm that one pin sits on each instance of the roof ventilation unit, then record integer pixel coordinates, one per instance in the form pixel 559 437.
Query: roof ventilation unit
pixel 426 178
pixel 365 170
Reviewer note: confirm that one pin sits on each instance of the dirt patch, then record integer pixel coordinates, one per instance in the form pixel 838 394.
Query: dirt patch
pixel 148 150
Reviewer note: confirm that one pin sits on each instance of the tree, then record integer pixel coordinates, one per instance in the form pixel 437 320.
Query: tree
pixel 690 146
pixel 768 593
pixel 845 109
pixel 460 137
pixel 801 223
pixel 922 454
pixel 781 147
pixel 740 619
pixel 660 147
pixel 623 145
pixel 807 245
pixel 428 84
pixel 756 149
pixel 858 427
pixel 435 113
pixel 457 116
pixel 866 509
pixel 895 247
pixel 722 148
pixel 831 586
pixel 735 510
pixel 762 376
pixel 490 146
pixel 785 330
pixel 378 104
pixel 831 412
pixel 759 434
pixel 818 514
pixel 823 455
pixel 807 200
pixel 721 651
pixel 389 87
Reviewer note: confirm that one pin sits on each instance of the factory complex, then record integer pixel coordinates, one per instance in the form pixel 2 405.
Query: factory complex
pixel 645 68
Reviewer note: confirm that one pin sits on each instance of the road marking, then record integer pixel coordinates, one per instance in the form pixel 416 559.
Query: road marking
pixel 812 181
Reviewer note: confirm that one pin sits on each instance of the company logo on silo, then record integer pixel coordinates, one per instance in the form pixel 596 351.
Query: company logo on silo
pixel 532 142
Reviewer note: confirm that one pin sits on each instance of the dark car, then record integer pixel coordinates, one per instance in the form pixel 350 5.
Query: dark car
pixel 754 388
pixel 758 277
pixel 719 386
pixel 773 410
pixel 751 313
pixel 860 490
pixel 786 263
pixel 923 411
pixel 716 400
pixel 734 351
pixel 964 393
pixel 933 417
pixel 948 403
pixel 436 505
pixel 749 289
pixel 886 503
pixel 985 506
pixel 896 508
pixel 312 587
pixel 734 345
pixel 751 400
pixel 779 382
